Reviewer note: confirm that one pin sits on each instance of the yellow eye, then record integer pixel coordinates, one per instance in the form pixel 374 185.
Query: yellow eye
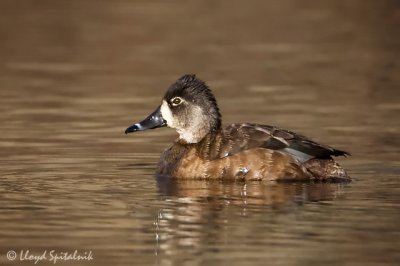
pixel 176 101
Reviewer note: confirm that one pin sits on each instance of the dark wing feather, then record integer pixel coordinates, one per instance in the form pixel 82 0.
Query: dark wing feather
pixel 239 137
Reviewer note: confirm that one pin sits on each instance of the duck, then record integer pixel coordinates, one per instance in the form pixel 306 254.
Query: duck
pixel 207 150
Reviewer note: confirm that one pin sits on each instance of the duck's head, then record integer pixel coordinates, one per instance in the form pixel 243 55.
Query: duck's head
pixel 189 107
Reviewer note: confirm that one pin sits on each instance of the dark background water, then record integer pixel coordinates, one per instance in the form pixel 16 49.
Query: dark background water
pixel 75 74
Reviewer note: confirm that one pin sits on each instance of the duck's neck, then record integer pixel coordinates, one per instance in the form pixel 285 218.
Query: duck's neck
pixel 190 137
pixel 197 130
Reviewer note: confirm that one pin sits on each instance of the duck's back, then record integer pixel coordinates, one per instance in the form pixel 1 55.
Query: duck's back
pixel 252 151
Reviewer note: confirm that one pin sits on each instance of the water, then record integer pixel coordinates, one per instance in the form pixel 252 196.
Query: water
pixel 75 74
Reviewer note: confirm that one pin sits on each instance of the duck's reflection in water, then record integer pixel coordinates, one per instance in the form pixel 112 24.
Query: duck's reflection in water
pixel 258 193
pixel 210 212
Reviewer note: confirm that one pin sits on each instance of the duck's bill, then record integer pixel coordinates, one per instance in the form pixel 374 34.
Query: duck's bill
pixel 154 120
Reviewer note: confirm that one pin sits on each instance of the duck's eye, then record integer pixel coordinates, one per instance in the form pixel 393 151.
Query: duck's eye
pixel 176 101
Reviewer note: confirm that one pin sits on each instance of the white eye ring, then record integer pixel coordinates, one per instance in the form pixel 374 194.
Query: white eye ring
pixel 176 101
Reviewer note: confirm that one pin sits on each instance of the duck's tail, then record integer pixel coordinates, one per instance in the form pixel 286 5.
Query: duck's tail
pixel 327 170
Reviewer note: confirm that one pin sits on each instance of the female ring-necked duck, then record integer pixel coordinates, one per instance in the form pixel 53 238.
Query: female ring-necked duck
pixel 206 150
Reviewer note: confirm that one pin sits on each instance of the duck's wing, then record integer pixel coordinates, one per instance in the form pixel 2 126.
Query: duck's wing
pixel 239 137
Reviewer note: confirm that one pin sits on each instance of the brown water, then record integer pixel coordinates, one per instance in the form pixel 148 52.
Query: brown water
pixel 75 74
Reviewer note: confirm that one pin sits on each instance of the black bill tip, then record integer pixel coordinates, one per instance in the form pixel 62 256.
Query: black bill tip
pixel 154 120
pixel 134 128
